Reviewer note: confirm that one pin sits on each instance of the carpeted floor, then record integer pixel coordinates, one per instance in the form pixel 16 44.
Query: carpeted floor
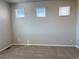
pixel 35 52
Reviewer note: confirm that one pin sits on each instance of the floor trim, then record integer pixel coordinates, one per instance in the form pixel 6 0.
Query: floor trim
pixel 46 45
pixel 39 45
pixel 5 47
pixel 77 47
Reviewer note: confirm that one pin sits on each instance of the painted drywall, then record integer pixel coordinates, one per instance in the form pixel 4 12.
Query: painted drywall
pixel 77 25
pixel 51 30
pixel 5 25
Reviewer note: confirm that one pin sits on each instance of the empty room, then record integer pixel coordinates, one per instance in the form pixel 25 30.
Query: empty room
pixel 39 29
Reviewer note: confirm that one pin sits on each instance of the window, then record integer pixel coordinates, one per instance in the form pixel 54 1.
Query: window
pixel 19 13
pixel 64 11
pixel 41 12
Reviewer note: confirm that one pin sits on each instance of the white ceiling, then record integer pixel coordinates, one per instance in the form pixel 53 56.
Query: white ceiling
pixel 16 1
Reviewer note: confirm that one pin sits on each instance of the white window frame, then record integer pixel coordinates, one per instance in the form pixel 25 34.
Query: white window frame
pixel 64 11
pixel 40 9
pixel 17 13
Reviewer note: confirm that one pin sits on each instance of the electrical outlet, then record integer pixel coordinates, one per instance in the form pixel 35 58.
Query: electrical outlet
pixel 9 42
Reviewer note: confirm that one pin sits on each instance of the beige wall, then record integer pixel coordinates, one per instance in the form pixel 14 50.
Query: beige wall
pixel 52 30
pixel 5 28
pixel 77 26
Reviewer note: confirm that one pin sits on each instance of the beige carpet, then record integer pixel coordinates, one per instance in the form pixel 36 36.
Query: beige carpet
pixel 35 52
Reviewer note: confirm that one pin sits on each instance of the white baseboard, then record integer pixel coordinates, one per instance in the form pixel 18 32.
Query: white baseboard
pixel 39 45
pixel 6 47
pixel 77 47
pixel 46 45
